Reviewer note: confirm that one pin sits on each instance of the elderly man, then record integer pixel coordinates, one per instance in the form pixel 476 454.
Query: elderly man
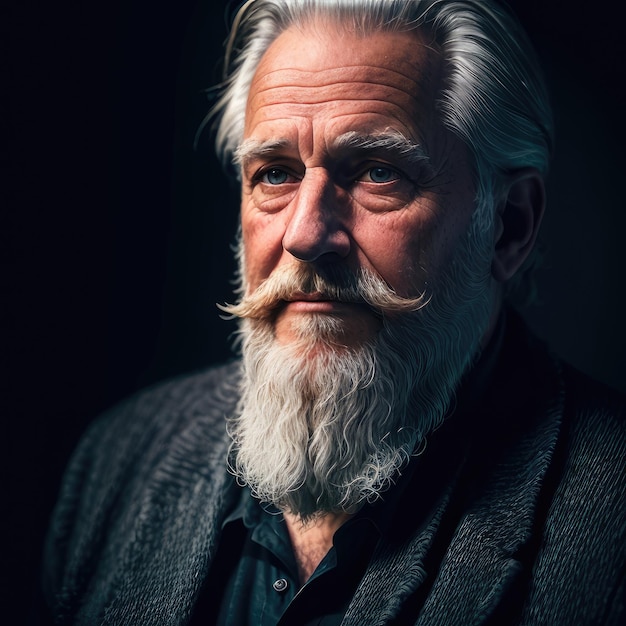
pixel 393 446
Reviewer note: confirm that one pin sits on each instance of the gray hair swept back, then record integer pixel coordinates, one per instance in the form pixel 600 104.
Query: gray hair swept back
pixel 494 98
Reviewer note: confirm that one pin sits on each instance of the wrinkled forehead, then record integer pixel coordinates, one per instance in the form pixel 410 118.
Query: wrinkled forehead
pixel 325 64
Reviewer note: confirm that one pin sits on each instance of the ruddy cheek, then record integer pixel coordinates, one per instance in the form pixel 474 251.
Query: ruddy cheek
pixel 263 251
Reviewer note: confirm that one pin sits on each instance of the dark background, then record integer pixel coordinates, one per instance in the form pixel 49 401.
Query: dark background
pixel 115 237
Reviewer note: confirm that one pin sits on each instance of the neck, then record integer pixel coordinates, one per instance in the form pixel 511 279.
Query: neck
pixel 311 540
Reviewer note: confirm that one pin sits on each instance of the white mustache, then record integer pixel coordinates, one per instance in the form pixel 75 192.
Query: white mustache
pixel 336 283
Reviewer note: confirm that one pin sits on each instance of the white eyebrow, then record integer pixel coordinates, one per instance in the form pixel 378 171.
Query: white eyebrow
pixel 254 148
pixel 392 142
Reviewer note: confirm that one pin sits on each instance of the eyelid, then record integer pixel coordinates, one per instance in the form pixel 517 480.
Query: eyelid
pixel 259 172
pixel 363 170
pixel 384 166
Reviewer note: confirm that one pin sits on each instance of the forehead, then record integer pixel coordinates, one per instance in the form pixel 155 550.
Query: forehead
pixel 345 81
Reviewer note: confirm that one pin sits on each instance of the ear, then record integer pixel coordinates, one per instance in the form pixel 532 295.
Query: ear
pixel 518 216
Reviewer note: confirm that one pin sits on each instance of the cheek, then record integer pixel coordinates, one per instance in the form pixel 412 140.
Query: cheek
pixel 262 237
pixel 401 266
pixel 412 246
pixel 395 249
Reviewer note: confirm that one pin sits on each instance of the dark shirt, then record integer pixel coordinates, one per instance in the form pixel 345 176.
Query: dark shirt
pixel 263 588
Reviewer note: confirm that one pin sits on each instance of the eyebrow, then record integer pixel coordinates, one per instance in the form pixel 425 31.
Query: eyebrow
pixel 251 149
pixel 393 143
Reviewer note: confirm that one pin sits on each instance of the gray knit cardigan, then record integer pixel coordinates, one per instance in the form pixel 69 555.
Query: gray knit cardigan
pixel 139 515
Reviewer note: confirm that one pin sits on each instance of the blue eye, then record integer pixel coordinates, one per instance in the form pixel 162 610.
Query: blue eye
pixel 382 174
pixel 275 176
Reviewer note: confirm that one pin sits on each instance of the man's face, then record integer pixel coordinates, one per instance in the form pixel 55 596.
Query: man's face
pixel 344 162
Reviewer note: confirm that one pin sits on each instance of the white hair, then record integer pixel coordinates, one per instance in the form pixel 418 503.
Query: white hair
pixel 494 97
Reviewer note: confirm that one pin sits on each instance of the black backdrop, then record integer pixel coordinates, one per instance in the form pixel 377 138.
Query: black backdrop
pixel 115 234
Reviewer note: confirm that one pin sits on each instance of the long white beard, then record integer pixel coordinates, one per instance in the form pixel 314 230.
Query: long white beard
pixel 327 429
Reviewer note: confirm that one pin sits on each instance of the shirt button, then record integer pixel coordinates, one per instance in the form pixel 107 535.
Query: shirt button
pixel 280 585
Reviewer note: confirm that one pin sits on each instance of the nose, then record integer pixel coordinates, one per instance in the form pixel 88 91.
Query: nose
pixel 315 228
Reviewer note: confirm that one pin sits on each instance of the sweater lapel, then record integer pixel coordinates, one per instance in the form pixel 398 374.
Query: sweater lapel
pixel 481 562
pixel 395 572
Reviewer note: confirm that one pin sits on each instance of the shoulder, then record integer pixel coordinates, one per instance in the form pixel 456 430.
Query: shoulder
pixel 193 406
pixel 594 432
pixel 593 415
pixel 579 547
pixel 587 396
pixel 579 573
pixel 207 391
pixel 592 459
pixel 165 408
pixel 137 453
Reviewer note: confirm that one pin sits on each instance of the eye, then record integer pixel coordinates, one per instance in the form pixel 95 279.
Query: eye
pixel 275 176
pixel 380 174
